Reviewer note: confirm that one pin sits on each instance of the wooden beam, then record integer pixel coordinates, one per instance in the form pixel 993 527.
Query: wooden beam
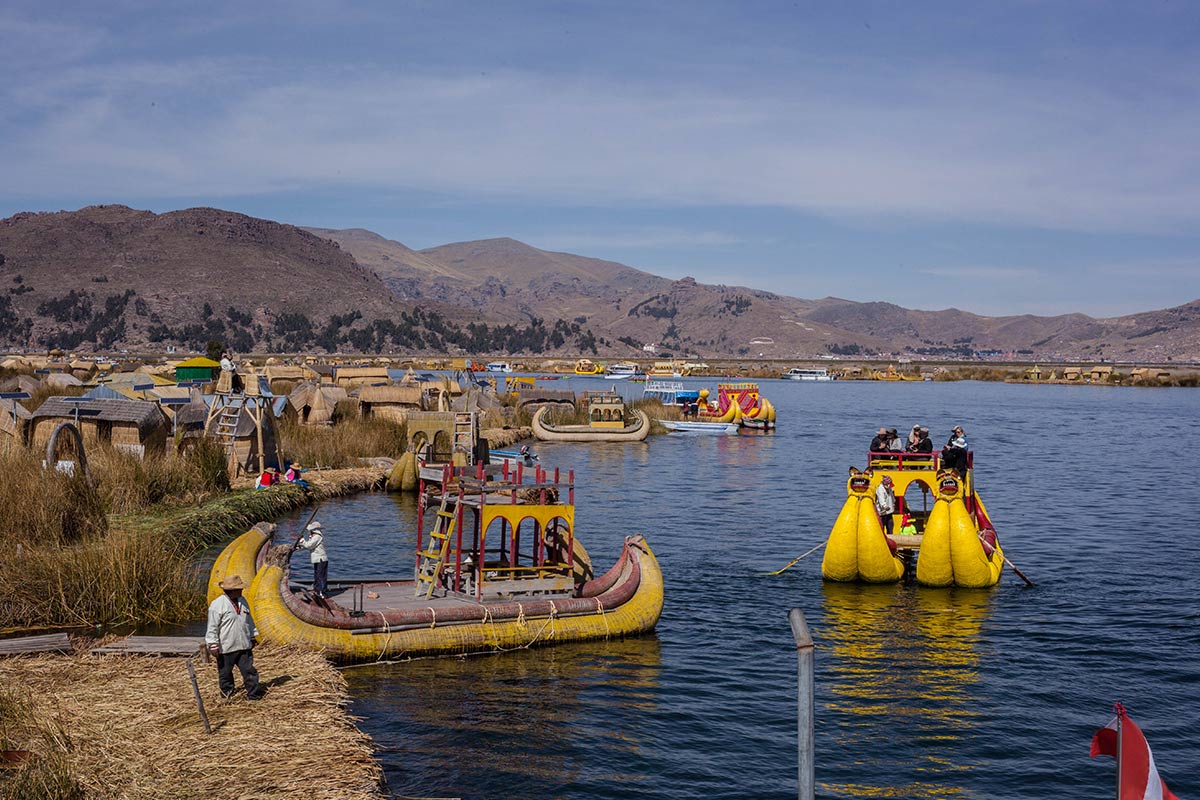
pixel 48 643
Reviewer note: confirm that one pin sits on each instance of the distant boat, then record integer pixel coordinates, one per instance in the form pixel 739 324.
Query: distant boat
pixel 687 426
pixel 499 366
pixel 798 374
pixel 622 371
pixel 585 366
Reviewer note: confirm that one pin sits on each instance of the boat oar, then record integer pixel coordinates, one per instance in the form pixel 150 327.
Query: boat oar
pixel 1013 566
pixel 796 560
pixel 300 535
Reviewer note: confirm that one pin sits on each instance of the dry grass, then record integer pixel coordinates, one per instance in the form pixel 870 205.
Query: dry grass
pixel 44 507
pixel 127 727
pixel 342 444
pixel 129 483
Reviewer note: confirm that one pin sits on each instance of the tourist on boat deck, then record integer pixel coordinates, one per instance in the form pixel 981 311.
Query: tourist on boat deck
pixel 885 503
pixel 879 443
pixel 293 475
pixel 919 441
pixel 893 443
pixel 315 544
pixel 954 454
pixel 907 526
pixel 230 637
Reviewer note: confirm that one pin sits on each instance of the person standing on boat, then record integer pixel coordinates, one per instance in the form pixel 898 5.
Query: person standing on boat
pixel 527 455
pixel 315 544
pixel 885 503
pixel 230 637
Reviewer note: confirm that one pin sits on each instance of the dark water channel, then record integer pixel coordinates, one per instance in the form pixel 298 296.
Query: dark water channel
pixel 919 693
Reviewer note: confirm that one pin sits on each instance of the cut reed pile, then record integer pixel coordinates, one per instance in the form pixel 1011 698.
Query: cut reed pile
pixel 343 444
pixel 127 727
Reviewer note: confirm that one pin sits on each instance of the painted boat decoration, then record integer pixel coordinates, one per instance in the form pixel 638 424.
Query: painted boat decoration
pixel 740 401
pixel 586 366
pixel 606 422
pixel 951 544
pixel 498 567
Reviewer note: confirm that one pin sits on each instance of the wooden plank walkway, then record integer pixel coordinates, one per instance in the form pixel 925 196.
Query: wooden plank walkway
pixel 48 643
pixel 152 646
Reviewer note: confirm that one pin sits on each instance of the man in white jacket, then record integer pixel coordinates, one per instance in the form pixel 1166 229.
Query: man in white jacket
pixel 315 544
pixel 230 637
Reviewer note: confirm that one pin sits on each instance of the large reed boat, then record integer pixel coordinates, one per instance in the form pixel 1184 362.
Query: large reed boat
pixel 498 566
pixel 951 544
pixel 607 422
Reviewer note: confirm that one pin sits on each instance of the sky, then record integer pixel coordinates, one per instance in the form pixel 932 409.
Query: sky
pixel 1003 158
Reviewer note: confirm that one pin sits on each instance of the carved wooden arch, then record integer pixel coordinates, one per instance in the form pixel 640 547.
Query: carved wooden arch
pixel 76 437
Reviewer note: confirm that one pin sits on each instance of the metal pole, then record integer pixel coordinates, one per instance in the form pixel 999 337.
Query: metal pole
pixel 804 652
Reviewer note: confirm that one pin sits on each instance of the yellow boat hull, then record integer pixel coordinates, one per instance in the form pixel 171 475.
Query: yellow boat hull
pixel 857 550
pixel 277 624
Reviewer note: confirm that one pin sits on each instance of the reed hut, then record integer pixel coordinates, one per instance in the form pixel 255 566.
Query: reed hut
pixel 282 379
pixel 1072 374
pixel 1150 374
pixel 131 425
pixel 313 404
pixel 243 445
pixel 1101 373
pixel 390 402
pixel 351 377
pixel 14 419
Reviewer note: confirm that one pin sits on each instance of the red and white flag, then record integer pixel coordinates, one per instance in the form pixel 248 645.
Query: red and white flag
pixel 1138 777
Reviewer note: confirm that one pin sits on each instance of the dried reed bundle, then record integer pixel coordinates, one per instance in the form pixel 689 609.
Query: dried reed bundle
pixel 127 727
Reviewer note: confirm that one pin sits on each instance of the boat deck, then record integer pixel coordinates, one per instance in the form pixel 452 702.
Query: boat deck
pixel 398 595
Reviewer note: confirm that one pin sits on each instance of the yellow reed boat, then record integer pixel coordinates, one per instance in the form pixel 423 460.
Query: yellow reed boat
pixel 498 567
pixel 951 544
pixel 586 366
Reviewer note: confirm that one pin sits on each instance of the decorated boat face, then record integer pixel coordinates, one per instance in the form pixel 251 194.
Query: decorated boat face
pixel 585 366
pixel 497 567
pixel 740 403
pixel 949 540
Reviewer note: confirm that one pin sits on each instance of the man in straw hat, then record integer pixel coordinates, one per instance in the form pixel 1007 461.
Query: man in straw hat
pixel 230 637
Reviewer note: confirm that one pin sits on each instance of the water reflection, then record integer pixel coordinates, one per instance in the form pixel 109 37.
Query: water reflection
pixel 510 726
pixel 904 667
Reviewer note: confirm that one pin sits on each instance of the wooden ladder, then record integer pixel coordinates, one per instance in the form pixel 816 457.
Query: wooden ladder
pixel 433 557
pixel 464 434
pixel 227 427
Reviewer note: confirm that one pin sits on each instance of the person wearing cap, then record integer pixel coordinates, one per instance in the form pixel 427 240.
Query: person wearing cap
pixel 528 455
pixel 954 454
pixel 908 527
pixel 230 637
pixel 885 503
pixel 893 441
pixel 314 543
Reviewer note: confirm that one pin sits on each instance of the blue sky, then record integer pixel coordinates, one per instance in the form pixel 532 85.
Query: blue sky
pixel 1023 157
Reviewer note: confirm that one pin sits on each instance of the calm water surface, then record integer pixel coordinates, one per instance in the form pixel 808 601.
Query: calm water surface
pixel 920 693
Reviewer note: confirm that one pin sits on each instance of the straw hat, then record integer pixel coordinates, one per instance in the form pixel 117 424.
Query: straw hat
pixel 232 582
pixel 313 526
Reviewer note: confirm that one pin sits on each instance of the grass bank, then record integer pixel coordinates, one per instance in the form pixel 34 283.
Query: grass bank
pixel 342 444
pixel 122 552
pixel 127 726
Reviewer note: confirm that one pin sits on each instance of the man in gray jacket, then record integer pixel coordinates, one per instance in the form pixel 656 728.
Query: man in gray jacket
pixel 314 543
pixel 230 637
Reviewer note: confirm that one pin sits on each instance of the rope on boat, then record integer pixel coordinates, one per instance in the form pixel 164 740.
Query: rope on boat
pixel 433 622
pixel 600 608
pixel 387 635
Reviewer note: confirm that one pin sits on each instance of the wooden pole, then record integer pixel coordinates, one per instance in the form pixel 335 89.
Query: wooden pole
pixel 199 700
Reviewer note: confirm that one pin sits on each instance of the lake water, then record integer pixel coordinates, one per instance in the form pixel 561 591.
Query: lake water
pixel 919 693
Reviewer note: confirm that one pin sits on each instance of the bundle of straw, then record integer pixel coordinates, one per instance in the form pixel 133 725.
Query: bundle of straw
pixel 128 727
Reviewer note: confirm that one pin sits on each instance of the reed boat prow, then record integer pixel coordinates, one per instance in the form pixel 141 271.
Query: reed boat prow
pixel 954 543
pixel 470 600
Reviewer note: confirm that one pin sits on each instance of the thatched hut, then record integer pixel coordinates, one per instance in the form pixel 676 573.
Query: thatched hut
pixel 282 379
pixel 351 377
pixel 313 404
pixel 132 425
pixel 390 402
pixel 1101 373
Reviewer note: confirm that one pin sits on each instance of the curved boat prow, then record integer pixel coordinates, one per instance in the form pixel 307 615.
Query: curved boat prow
pixel 857 548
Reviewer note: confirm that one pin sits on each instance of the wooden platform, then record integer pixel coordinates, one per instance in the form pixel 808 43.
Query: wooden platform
pixel 48 643
pixel 152 646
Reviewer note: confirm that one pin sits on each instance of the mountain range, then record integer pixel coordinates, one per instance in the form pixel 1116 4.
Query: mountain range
pixel 107 277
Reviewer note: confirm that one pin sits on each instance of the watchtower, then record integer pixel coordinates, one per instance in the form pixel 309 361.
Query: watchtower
pixel 241 419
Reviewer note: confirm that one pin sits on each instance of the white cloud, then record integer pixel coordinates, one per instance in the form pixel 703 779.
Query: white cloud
pixel 923 145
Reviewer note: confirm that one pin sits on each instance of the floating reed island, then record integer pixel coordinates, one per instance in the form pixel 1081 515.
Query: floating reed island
pixel 81 726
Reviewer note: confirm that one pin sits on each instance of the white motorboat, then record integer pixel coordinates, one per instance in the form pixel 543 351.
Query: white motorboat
pixel 499 366
pixel 622 371
pixel 798 374
pixel 686 426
